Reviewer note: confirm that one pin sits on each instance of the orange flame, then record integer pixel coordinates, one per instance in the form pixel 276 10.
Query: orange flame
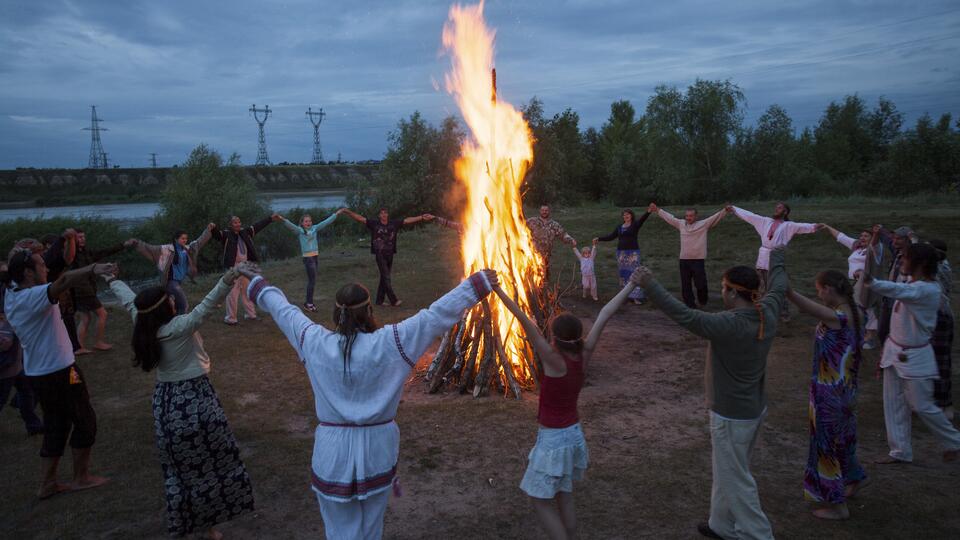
pixel 491 168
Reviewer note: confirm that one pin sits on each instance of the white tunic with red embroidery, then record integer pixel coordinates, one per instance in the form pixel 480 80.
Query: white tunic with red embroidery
pixel 357 442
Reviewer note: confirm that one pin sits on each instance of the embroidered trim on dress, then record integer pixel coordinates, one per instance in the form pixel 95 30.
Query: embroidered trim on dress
pixel 396 338
pixel 303 336
pixel 257 288
pixel 354 487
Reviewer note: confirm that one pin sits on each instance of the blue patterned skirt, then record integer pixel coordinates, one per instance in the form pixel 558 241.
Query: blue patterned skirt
pixel 629 260
pixel 204 480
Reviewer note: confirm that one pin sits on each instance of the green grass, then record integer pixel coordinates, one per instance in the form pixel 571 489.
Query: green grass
pixel 461 459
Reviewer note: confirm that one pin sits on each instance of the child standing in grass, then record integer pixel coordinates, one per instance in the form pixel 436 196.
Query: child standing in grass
pixel 560 455
pixel 307 235
pixel 588 278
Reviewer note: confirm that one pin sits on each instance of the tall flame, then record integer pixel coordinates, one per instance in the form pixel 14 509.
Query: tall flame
pixel 491 168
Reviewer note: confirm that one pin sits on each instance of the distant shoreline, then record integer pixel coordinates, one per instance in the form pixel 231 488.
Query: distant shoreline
pixel 86 200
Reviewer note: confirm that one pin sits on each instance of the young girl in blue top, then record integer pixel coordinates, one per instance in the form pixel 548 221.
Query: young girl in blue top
pixel 307 234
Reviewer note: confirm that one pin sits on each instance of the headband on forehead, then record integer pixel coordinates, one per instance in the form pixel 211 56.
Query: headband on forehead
pixel 755 298
pixel 155 306
pixel 351 306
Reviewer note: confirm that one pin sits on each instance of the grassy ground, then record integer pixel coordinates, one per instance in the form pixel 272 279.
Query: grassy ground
pixel 461 459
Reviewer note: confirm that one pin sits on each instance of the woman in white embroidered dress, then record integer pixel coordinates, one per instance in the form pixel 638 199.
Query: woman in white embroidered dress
pixel 357 374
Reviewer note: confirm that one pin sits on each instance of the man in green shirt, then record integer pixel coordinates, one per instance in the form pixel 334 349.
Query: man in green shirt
pixel 739 341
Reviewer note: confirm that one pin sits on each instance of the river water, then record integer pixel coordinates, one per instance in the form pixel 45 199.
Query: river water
pixel 137 212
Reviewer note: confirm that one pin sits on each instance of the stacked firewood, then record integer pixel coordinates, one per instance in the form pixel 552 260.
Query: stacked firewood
pixel 472 357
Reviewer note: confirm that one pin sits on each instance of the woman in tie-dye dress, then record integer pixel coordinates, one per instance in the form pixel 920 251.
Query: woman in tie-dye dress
pixel 833 473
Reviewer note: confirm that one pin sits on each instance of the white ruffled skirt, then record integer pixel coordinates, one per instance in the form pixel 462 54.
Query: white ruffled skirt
pixel 559 457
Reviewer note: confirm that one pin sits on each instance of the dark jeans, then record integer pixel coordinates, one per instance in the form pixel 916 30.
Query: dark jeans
pixel 175 290
pixel 385 288
pixel 310 265
pixel 26 400
pixel 693 273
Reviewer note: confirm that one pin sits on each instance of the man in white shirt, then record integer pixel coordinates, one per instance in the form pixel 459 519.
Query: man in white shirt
pixel 775 232
pixel 48 361
pixel 908 362
pixel 693 250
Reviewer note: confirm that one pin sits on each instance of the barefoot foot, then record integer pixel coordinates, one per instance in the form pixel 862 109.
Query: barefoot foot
pixel 88 482
pixel 854 487
pixel 49 490
pixel 836 511
pixel 213 534
pixel 103 346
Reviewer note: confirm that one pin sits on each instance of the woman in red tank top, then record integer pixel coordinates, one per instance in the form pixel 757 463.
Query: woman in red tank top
pixel 560 455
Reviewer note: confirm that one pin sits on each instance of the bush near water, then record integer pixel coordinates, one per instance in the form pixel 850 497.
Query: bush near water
pixel 686 147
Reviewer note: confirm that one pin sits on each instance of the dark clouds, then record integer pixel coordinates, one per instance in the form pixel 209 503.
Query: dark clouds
pixel 169 75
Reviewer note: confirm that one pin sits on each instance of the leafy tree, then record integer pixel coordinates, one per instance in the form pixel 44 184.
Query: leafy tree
pixel 710 117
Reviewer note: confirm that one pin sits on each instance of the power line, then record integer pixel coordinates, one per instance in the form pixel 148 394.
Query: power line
pixel 315 119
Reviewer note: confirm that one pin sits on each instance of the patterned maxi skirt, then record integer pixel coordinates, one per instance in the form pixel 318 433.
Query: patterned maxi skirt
pixel 205 482
pixel 629 260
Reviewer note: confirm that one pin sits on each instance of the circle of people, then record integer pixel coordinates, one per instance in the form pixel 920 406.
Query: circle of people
pixel 894 294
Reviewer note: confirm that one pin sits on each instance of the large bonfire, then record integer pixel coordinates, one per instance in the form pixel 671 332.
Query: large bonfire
pixel 488 346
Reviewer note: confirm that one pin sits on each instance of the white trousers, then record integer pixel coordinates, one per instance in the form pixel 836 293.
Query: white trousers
pixel 354 520
pixel 239 291
pixel 900 397
pixel 734 502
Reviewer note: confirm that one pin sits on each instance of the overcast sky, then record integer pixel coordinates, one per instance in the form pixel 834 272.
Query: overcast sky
pixel 168 75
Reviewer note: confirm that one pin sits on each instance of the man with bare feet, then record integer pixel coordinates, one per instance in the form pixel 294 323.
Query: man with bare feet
pixel 48 362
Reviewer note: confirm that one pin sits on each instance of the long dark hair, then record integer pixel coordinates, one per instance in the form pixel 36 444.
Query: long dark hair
pixel 146 346
pixel 923 257
pixel 352 314
pixel 567 332
pixel 840 283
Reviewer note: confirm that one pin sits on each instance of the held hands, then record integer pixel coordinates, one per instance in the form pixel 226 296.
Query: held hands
pixel 248 269
pixel 652 208
pixel 642 276
pixel 69 234
pixel 492 277
pixel 107 271
pixel 427 217
pixel 211 226
pixel 341 211
pixel 231 275
pixel 130 242
pixel 275 216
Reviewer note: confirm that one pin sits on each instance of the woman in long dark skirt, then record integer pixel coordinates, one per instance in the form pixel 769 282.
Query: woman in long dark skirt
pixel 628 250
pixel 205 482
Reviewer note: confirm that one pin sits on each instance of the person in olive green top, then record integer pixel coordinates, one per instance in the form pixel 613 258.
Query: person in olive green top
pixel 740 339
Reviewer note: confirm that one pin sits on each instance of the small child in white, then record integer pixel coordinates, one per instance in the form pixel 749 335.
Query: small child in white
pixel 589 279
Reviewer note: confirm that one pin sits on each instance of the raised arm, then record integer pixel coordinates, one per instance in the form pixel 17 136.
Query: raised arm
pixel 612 236
pixel 126 297
pixel 413 335
pixel 149 251
pixel 608 310
pixel 190 323
pixel 355 216
pixel 72 278
pixel 99 254
pixel 669 218
pixel 777 281
pixel 708 325
pixel 540 344
pixel 820 311
pixel 905 292
pixel 296 229
pixel 577 253
pixel 69 246
pixel 412 220
pixel 323 224
pixel 758 222
pixel 715 219
pixel 288 318
pixel 641 220
pixel 262 224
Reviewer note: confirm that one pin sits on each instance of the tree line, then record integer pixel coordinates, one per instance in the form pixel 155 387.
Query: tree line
pixel 687 146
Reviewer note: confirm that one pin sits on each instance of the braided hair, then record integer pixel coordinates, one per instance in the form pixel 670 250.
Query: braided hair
pixel 839 282
pixel 351 315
